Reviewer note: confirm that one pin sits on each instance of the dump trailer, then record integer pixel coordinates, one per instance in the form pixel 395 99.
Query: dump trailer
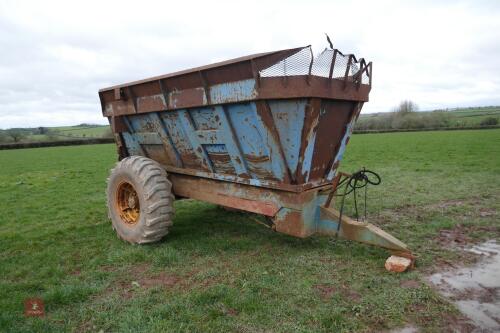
pixel 263 133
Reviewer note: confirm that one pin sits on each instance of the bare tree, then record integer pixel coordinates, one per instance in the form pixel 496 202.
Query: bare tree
pixel 406 106
pixel 3 136
pixel 16 135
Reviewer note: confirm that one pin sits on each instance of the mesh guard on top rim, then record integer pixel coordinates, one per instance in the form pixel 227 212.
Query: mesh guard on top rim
pixel 329 63
pixel 284 74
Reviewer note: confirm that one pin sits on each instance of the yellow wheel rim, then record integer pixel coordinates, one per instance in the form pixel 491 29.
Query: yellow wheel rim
pixel 127 203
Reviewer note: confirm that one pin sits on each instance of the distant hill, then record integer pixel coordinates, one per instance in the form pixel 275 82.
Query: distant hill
pixel 40 134
pixel 449 118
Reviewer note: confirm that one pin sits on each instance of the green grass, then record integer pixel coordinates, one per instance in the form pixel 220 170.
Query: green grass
pixel 462 117
pixel 218 271
pixel 92 131
pixel 474 116
pixel 69 132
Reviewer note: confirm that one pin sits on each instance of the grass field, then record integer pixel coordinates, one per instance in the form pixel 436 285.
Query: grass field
pixel 458 118
pixel 219 271
pixel 473 116
pixel 70 132
pixel 88 131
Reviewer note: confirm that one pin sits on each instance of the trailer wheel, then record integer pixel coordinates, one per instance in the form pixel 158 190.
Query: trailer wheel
pixel 140 200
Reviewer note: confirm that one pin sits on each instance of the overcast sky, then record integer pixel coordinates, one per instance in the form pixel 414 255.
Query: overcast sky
pixel 54 56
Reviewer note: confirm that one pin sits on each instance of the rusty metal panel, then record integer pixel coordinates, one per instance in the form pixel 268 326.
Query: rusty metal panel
pixel 291 222
pixel 288 118
pixel 181 143
pixel 279 141
pixel 278 120
pixel 333 117
pixel 258 149
pixel 308 139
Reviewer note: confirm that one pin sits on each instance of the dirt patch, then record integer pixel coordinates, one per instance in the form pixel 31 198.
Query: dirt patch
pixel 232 312
pixel 451 203
pixel 326 291
pixel 108 268
pixel 459 234
pixel 352 295
pixel 140 278
pixel 458 324
pixel 456 235
pixel 487 212
pixel 162 279
pixel 410 284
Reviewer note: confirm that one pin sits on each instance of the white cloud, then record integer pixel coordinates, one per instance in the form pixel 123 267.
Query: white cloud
pixel 55 55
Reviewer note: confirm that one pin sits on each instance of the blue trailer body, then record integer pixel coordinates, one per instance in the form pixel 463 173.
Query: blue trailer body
pixel 264 133
pixel 233 142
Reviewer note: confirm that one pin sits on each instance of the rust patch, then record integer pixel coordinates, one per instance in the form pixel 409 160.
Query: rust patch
pixel 259 172
pixel 318 87
pixel 257 159
pixel 122 107
pixel 310 122
pixel 291 224
pixel 158 153
pixel 221 163
pixel 232 195
pixel 118 125
pixel 188 98
pixel 151 103
pixel 332 124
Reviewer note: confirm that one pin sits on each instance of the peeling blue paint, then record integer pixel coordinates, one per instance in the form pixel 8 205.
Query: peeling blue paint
pixel 234 140
pixel 233 91
pixel 288 118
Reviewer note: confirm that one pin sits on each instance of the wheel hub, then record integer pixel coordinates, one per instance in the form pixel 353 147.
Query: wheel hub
pixel 132 201
pixel 128 205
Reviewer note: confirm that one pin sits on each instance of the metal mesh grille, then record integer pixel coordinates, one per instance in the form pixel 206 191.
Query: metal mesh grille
pixel 296 64
pixel 300 64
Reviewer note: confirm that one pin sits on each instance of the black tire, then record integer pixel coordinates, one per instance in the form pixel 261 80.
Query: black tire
pixel 140 200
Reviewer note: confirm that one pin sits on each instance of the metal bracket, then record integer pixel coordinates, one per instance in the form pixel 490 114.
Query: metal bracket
pixel 335 185
pixel 205 86
pixel 164 92
pixel 255 73
pixel 361 232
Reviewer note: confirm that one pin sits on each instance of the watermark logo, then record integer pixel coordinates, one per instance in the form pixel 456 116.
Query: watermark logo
pixel 34 307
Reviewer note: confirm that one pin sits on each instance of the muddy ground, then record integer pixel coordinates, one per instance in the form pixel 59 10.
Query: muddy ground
pixel 475 289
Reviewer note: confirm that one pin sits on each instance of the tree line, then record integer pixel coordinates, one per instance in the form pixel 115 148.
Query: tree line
pixel 406 117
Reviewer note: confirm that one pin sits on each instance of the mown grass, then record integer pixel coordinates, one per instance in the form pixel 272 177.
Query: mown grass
pixel 218 271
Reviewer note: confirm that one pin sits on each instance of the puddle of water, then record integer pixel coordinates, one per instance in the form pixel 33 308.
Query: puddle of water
pixel 406 329
pixel 476 290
